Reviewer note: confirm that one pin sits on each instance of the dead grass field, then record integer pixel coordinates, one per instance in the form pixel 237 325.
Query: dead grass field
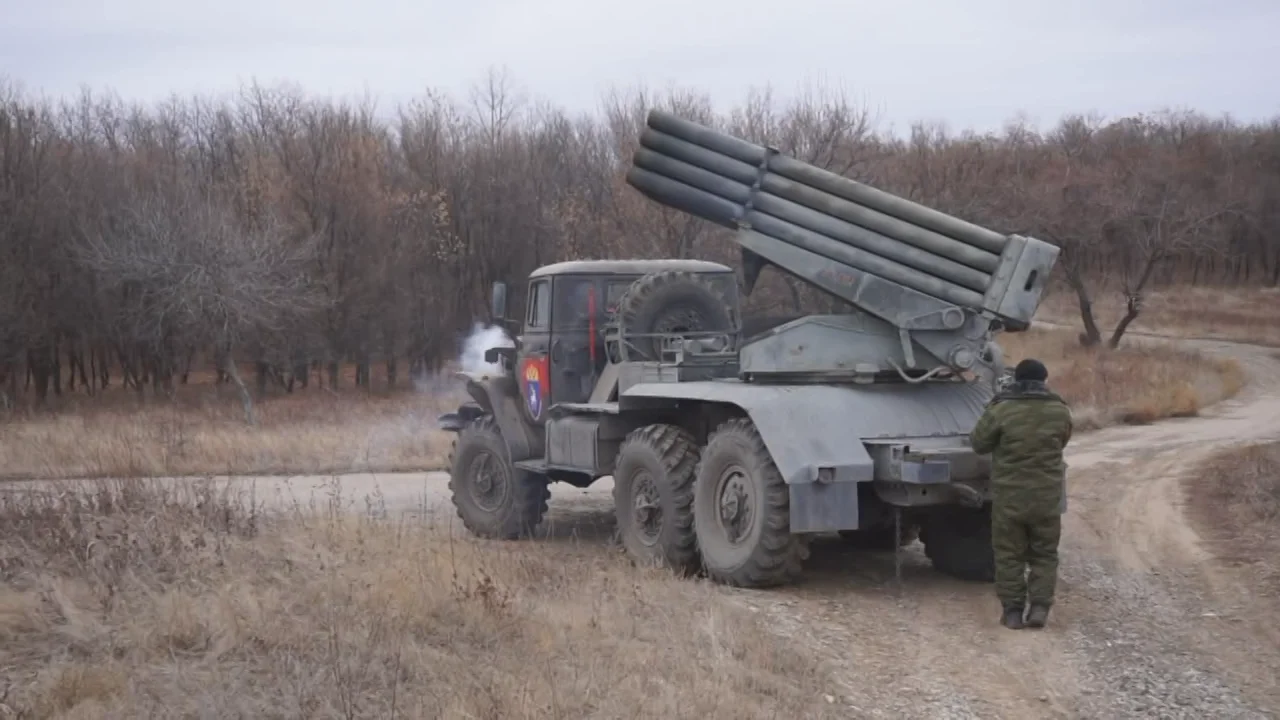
pixel 1134 384
pixel 202 431
pixel 135 601
pixel 1238 509
pixel 1244 315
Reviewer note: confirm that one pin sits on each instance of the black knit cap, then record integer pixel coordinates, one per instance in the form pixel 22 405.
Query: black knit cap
pixel 1031 369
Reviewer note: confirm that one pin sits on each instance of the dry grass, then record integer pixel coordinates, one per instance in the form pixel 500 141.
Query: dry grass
pixel 203 431
pixel 131 600
pixel 1238 314
pixel 1235 503
pixel 1135 384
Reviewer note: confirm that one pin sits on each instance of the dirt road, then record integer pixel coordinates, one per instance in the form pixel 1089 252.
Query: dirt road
pixel 1147 624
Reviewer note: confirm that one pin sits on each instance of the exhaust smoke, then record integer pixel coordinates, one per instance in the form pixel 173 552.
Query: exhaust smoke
pixel 478 341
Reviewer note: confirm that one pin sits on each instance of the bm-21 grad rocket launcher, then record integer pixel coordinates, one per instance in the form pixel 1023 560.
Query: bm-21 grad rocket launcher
pixel 729 451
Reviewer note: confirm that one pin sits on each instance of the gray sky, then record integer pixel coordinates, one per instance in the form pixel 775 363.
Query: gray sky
pixel 973 63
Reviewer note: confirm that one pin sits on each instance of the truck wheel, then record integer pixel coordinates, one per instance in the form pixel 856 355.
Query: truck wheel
pixel 957 540
pixel 493 498
pixel 742 512
pixel 670 302
pixel 653 497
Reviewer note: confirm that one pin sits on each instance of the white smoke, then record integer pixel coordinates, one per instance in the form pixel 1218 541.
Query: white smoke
pixel 481 339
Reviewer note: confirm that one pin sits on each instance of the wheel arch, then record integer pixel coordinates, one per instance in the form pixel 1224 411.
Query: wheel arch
pixel 496 396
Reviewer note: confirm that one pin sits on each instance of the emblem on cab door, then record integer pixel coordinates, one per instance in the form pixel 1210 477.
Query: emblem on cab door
pixel 534 369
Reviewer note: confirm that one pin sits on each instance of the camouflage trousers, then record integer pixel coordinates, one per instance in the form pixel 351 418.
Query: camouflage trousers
pixel 1026 554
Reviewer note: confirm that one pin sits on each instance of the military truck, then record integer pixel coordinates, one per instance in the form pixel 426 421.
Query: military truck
pixel 732 444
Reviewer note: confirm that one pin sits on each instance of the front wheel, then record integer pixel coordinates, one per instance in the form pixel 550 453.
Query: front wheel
pixel 742 512
pixel 494 498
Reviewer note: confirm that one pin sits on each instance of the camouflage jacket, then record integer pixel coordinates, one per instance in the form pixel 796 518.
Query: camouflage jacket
pixel 1025 428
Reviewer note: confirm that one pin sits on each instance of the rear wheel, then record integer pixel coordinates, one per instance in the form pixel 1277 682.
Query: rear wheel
pixel 494 498
pixel 653 497
pixel 957 540
pixel 742 512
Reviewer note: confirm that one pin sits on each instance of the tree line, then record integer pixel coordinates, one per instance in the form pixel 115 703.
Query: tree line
pixel 299 233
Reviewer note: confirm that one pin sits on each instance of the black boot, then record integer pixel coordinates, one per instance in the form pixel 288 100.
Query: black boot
pixel 1012 618
pixel 1038 616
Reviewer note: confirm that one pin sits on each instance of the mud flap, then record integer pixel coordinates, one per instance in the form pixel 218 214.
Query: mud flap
pixel 823 506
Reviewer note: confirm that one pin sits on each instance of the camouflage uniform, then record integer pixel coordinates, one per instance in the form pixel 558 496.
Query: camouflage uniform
pixel 1025 428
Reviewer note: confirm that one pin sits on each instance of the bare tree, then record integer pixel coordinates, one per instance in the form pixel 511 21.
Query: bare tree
pixel 193 273
pixel 1168 204
pixel 132 235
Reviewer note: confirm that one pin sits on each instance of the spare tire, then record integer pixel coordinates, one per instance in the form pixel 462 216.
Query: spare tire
pixel 670 302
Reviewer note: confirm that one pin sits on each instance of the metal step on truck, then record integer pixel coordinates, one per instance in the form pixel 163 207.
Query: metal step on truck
pixel 731 446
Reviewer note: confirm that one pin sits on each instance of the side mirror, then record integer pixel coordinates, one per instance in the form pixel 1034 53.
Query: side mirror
pixel 499 302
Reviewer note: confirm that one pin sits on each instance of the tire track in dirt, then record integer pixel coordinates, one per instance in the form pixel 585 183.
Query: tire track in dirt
pixel 1191 597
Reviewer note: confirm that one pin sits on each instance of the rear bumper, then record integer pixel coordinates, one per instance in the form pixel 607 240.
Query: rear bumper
pixel 905 473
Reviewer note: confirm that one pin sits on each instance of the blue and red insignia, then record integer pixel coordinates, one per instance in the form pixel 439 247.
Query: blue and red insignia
pixel 535 370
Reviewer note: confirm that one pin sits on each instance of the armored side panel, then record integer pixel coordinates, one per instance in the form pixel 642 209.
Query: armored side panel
pixel 581 443
pixel 843 230
pixel 816 349
pixel 860 348
pixel 824 438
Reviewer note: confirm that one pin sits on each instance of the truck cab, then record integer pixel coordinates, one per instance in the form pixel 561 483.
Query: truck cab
pixel 560 351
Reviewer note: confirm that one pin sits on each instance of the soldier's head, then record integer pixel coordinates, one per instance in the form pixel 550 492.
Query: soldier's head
pixel 1030 370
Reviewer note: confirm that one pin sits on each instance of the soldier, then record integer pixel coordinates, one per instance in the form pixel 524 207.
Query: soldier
pixel 1025 428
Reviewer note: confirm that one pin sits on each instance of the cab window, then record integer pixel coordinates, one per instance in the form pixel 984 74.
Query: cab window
pixel 573 302
pixel 726 284
pixel 538 315
pixel 614 293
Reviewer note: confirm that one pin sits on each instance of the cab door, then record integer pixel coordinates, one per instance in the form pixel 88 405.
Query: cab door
pixel 576 349
pixel 533 371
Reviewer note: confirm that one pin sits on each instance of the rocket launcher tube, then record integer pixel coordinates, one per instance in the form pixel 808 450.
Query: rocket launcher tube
pixel 829 182
pixel 812 220
pixel 829 230
pixel 898 230
pixel 682 196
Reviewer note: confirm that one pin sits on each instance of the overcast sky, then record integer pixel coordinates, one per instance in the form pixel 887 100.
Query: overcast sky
pixel 972 63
